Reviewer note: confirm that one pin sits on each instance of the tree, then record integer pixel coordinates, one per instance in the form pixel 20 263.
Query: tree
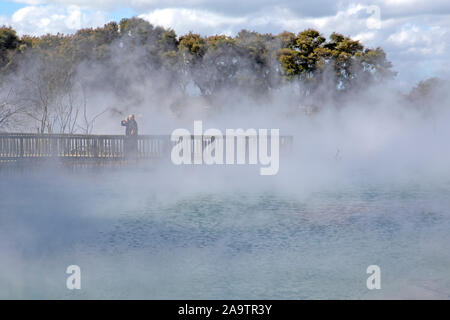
pixel 308 57
pixel 191 50
pixel 9 43
pixel 257 72
pixel 303 54
pixel 46 77
pixel 9 107
pixel 426 92
pixel 355 65
pixel 135 60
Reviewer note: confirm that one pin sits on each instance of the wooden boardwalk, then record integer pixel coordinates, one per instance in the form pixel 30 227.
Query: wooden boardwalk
pixel 27 146
pixel 14 146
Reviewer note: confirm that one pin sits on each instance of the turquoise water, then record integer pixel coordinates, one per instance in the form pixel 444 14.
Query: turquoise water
pixel 137 235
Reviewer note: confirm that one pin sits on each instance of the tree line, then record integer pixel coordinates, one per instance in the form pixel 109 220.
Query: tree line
pixel 41 80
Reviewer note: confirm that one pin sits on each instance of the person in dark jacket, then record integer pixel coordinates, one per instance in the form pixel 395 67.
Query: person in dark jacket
pixel 131 131
pixel 131 126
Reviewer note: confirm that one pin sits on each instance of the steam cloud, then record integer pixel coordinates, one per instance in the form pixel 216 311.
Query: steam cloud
pixel 168 226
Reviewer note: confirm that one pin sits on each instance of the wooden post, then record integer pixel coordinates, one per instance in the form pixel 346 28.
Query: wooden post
pixel 21 147
pixel 54 146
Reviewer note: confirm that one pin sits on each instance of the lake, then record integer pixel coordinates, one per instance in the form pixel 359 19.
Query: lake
pixel 230 234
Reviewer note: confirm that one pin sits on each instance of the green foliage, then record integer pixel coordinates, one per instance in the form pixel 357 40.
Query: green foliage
pixel 194 45
pixel 308 55
pixel 9 43
pixel 8 38
pixel 250 60
pixel 136 28
pixel 54 71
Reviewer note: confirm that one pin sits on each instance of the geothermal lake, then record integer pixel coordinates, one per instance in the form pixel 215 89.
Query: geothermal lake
pixel 148 235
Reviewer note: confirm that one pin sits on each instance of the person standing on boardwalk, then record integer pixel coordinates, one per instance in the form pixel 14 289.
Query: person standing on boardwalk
pixel 131 131
pixel 131 126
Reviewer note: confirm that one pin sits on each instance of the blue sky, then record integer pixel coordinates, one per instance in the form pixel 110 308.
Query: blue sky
pixel 121 12
pixel 414 33
pixel 9 7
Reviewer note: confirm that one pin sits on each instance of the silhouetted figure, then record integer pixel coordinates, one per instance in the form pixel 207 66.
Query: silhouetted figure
pixel 131 126
pixel 131 131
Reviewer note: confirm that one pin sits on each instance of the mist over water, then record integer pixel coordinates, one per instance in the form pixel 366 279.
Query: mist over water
pixel 366 183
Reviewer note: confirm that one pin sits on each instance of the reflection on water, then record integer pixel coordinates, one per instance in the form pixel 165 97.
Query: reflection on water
pixel 149 243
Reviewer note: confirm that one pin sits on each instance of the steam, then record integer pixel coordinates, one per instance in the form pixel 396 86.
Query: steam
pixel 178 228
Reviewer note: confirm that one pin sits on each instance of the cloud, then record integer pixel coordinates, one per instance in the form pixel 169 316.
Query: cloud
pixel 319 7
pixel 185 20
pixel 409 8
pixel 412 38
pixel 390 8
pixel 272 20
pixel 412 32
pixel 38 20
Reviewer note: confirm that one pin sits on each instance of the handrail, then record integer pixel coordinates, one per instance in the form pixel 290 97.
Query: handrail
pixel 16 146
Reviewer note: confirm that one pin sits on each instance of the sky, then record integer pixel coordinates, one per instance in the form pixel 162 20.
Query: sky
pixel 414 33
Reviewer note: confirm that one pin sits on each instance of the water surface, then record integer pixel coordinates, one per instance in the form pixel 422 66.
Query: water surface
pixel 135 236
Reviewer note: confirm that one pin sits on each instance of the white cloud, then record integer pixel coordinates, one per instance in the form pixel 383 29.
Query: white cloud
pixel 276 19
pixel 390 8
pixel 410 31
pixel 185 20
pixel 38 20
pixel 412 38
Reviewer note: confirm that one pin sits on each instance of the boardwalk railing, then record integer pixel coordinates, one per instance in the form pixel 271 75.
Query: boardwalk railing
pixel 17 146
